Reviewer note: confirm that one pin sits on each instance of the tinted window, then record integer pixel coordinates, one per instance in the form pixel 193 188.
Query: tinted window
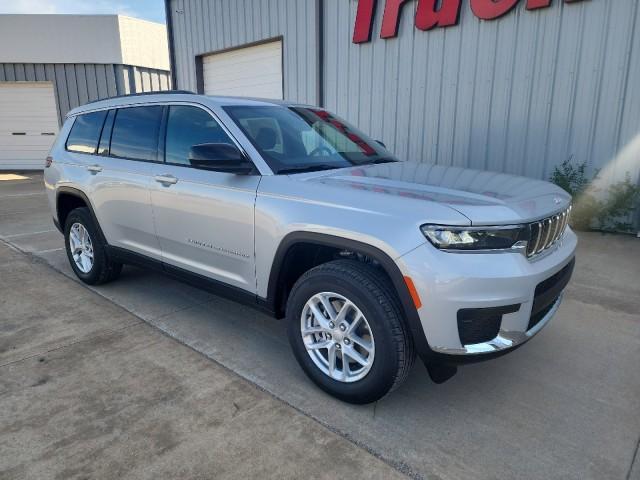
pixel 105 138
pixel 189 126
pixel 135 133
pixel 85 132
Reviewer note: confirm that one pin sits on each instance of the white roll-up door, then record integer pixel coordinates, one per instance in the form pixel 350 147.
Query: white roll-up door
pixel 28 124
pixel 246 72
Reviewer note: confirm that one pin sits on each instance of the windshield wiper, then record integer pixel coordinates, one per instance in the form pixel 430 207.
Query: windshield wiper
pixel 326 166
pixel 379 160
pixel 309 168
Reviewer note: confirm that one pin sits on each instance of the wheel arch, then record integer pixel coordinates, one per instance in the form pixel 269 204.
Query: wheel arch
pixel 290 241
pixel 64 205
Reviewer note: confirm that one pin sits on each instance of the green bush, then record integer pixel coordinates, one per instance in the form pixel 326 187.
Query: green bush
pixel 570 178
pixel 611 213
pixel 622 200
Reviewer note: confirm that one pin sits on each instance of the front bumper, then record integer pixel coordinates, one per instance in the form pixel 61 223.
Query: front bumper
pixel 503 284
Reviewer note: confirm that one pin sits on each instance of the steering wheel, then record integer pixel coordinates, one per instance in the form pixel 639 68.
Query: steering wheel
pixel 318 152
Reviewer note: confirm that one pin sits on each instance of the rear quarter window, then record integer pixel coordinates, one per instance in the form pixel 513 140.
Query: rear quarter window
pixel 85 133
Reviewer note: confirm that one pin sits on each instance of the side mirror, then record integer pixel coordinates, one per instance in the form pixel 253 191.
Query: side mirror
pixel 220 157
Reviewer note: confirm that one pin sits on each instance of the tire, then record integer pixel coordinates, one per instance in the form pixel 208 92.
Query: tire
pixel 101 269
pixel 391 353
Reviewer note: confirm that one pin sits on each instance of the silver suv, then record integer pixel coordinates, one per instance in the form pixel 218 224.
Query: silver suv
pixel 289 208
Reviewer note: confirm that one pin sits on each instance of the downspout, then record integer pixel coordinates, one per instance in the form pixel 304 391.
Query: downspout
pixel 172 53
pixel 320 56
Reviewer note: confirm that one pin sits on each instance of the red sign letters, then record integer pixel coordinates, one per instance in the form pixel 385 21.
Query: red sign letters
pixel 431 14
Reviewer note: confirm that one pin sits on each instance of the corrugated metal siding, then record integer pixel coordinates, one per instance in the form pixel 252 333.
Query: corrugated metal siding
pixel 519 94
pixel 201 26
pixel 77 84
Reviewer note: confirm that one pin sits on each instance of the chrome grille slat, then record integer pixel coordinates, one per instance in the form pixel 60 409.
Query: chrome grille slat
pixel 540 229
pixel 559 229
pixel 538 237
pixel 546 232
pixel 563 223
pixel 552 232
pixel 549 223
pixel 543 235
pixel 555 229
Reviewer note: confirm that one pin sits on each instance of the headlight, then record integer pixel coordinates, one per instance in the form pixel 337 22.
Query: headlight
pixel 476 238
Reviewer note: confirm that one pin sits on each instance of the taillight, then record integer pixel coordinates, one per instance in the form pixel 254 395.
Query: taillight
pixel 48 161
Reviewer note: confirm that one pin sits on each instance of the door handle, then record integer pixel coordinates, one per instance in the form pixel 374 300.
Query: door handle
pixel 166 180
pixel 94 169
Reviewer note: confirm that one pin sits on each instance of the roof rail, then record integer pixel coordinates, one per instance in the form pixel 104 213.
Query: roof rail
pixel 141 94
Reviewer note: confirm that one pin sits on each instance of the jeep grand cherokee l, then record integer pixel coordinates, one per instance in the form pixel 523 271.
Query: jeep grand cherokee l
pixel 287 207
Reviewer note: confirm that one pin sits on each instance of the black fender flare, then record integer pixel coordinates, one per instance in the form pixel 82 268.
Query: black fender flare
pixel 83 196
pixel 390 267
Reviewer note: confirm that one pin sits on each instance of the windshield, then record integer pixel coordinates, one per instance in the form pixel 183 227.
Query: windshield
pixel 301 139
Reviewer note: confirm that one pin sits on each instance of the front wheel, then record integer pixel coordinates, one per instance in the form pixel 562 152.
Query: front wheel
pixel 345 328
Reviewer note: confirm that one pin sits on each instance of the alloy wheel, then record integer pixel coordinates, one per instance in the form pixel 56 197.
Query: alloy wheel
pixel 81 247
pixel 337 336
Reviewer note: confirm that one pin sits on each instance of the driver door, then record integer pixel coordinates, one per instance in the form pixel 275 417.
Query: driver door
pixel 204 219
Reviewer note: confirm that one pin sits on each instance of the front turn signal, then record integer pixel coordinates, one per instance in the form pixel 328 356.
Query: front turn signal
pixel 413 292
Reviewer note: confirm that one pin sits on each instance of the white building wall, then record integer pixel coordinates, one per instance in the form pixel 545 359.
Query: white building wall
pixel 76 39
pixel 86 57
pixel 143 43
pixel 59 39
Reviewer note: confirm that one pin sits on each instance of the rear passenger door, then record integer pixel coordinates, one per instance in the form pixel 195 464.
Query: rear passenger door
pixel 121 175
pixel 204 219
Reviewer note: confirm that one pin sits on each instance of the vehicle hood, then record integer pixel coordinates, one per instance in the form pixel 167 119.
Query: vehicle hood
pixel 485 198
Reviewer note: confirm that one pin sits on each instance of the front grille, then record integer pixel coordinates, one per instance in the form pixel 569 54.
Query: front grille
pixel 546 232
pixel 479 325
pixel 547 293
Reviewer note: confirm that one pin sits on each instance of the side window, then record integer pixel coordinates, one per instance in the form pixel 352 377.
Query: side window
pixel 105 138
pixel 189 126
pixel 135 133
pixel 85 132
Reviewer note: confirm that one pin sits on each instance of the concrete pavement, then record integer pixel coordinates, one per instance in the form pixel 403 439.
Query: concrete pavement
pixel 563 406
pixel 88 390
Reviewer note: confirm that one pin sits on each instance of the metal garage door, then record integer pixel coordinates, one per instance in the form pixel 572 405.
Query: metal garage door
pixel 28 124
pixel 248 72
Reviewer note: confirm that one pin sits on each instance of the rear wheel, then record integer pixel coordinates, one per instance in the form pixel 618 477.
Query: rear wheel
pixel 86 249
pixel 345 328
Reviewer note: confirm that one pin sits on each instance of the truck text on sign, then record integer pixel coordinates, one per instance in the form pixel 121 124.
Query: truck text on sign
pixel 431 14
